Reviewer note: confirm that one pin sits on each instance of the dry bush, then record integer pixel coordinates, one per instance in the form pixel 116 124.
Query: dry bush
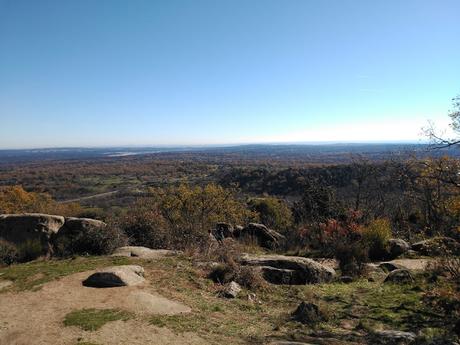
pixel 223 273
pixel 144 226
pixel 447 266
pixel 90 241
pixel 376 234
pixel 26 251
pixel 8 253
pixel 229 268
pixel 351 256
pixel 446 301
pixel 182 216
pixel 250 278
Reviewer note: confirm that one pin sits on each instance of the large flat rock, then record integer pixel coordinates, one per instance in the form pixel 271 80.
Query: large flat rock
pixel 142 302
pixel 301 270
pixel 144 252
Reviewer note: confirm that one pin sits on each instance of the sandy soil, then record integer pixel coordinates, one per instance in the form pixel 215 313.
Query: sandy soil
pixel 35 318
pixel 5 283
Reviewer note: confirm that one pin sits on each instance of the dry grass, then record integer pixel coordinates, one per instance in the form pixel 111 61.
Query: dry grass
pixel 364 305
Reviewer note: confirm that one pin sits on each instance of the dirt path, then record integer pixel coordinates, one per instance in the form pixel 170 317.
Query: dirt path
pixel 36 318
pixel 95 196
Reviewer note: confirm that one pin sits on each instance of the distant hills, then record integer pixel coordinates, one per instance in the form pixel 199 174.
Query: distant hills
pixel 269 151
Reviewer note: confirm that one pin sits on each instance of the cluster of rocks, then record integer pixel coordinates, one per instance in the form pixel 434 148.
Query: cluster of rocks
pixel 265 237
pixel 43 229
pixel 291 270
pixel 437 246
pixel 431 247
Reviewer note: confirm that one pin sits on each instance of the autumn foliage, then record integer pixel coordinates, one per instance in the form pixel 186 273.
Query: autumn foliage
pixel 14 199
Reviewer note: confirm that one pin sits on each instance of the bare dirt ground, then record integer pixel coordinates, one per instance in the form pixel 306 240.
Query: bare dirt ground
pixel 36 317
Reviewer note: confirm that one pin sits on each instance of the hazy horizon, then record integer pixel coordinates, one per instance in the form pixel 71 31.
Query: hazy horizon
pixel 165 146
pixel 181 73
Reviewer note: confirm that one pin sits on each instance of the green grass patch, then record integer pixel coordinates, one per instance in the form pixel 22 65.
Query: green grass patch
pixel 93 319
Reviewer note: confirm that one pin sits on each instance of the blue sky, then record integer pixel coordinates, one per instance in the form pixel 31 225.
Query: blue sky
pixel 173 72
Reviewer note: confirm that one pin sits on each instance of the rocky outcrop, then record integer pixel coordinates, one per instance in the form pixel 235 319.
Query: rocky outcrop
pixel 397 247
pixel 52 233
pixel 281 276
pixel 437 246
pixel 116 276
pixel 307 313
pixel 264 236
pixel 399 276
pixel 30 227
pixel 293 270
pixel 144 252
pixel 74 226
pixel 80 236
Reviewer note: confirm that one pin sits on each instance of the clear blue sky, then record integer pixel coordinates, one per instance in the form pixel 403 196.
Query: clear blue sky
pixel 104 73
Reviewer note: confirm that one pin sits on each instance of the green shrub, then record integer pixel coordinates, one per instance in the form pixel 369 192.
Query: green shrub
pixel 90 241
pixel 272 212
pixel 144 226
pixel 376 236
pixel 8 253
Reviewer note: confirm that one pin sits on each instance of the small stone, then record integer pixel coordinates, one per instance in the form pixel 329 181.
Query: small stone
pixel 231 290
